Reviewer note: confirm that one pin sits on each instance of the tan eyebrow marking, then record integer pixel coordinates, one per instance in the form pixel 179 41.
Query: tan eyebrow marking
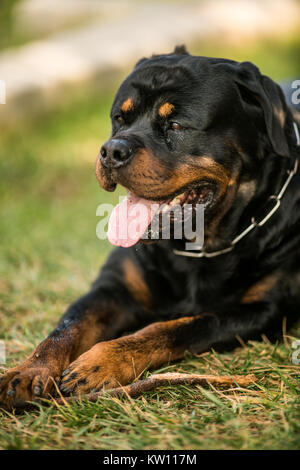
pixel 165 109
pixel 127 105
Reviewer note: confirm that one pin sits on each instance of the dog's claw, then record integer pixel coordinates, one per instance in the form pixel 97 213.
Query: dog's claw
pixel 25 384
pixel 65 372
pixel 65 389
pixel 37 390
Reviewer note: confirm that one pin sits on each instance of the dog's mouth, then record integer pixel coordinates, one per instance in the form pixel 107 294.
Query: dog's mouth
pixel 137 218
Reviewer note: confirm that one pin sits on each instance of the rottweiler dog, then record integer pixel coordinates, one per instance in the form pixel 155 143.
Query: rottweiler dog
pixel 197 130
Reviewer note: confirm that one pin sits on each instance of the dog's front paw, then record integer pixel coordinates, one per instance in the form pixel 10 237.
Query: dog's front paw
pixel 103 366
pixel 27 382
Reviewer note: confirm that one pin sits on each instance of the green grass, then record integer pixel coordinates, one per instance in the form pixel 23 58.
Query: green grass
pixel 49 256
pixel 263 416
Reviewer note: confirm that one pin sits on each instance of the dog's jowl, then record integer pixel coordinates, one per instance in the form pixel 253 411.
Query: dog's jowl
pixel 187 130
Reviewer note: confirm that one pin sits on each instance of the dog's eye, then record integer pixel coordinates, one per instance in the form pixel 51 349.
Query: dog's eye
pixel 175 126
pixel 120 119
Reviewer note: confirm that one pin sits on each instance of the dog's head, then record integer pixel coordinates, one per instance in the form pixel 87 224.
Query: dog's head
pixel 190 129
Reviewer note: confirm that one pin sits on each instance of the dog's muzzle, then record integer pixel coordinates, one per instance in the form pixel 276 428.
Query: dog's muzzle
pixel 116 153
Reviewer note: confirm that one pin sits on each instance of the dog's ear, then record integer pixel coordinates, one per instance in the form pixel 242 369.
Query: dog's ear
pixel 180 50
pixel 270 98
pixel 141 61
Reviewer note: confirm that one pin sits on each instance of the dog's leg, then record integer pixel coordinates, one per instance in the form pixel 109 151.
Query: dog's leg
pixel 94 317
pixel 122 360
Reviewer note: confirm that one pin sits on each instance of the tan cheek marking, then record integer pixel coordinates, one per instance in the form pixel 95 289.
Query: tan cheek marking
pixel 205 168
pixel 165 109
pixel 127 105
pixel 258 290
pixel 135 283
pixel 148 177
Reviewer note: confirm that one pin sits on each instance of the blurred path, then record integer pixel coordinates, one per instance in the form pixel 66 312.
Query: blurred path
pixel 41 68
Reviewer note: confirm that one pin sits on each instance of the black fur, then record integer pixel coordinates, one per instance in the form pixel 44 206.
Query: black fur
pixel 219 102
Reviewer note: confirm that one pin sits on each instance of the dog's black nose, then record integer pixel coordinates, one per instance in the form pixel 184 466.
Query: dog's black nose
pixel 115 153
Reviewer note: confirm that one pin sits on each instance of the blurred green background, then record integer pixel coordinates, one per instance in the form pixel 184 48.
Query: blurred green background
pixel 49 253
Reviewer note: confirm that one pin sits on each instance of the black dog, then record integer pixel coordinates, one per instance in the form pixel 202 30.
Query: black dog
pixel 203 130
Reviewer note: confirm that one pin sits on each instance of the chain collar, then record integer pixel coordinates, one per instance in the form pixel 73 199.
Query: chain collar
pixel 274 201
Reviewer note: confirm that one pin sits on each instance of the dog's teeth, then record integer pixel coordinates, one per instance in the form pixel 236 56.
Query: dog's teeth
pixel 165 208
pixel 175 202
pixel 180 199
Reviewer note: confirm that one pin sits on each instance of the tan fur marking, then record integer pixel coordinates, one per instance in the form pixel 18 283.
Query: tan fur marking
pixel 260 288
pixel 122 360
pixel 149 178
pixel 89 332
pixel 166 109
pixel 135 283
pixel 127 105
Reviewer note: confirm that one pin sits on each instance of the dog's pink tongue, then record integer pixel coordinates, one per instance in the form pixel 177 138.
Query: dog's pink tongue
pixel 129 220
